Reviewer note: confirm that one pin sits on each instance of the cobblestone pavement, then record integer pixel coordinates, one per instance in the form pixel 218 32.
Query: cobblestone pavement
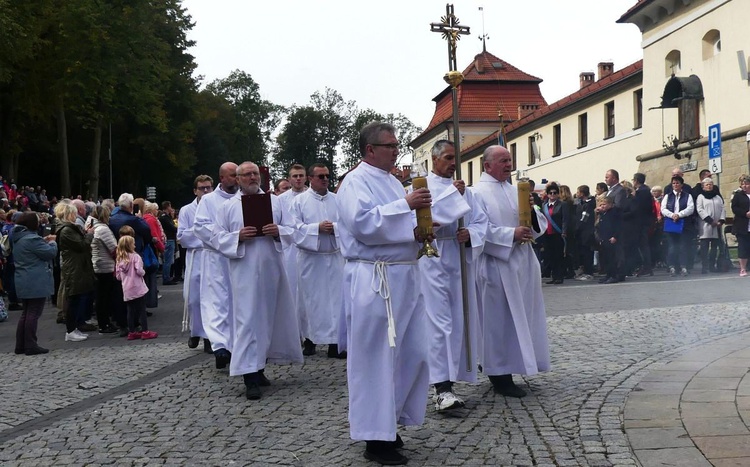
pixel 160 403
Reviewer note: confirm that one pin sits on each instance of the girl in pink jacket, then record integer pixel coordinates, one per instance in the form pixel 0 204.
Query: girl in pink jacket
pixel 129 270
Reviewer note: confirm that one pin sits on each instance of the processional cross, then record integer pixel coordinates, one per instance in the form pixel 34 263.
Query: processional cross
pixel 452 31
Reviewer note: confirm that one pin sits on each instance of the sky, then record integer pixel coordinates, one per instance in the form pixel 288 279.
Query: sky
pixel 383 56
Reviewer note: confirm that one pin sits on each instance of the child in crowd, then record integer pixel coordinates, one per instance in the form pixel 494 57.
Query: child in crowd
pixel 129 270
pixel 607 231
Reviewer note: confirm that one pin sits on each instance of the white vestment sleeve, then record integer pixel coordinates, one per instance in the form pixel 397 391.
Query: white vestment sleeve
pixel 449 206
pixel 304 235
pixel 227 242
pixel 374 224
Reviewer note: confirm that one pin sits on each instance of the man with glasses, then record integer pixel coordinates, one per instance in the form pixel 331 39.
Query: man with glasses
pixel 297 178
pixel 264 326
pixel 386 324
pixel 216 295
pixel 509 279
pixel 320 265
pixel 191 288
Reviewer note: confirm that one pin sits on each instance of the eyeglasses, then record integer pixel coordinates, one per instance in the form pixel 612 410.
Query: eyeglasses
pixel 323 176
pixel 204 188
pixel 551 192
pixel 390 146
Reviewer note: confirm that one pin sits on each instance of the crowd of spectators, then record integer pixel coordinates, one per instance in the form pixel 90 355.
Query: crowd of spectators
pixel 81 236
pixel 625 228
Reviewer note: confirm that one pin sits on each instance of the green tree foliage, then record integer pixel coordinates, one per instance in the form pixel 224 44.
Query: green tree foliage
pixel 406 132
pixel 254 118
pixel 314 133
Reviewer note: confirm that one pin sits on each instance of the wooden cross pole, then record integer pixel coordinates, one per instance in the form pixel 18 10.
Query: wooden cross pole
pixel 452 31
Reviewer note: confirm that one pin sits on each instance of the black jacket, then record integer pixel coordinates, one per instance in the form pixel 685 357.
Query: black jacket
pixel 609 225
pixel 740 207
pixel 643 206
pixel 560 213
pixel 585 221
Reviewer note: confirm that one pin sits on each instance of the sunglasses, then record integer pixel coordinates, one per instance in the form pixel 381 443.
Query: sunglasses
pixel 323 176
pixel 204 188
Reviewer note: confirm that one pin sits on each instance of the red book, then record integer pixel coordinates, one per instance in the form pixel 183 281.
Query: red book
pixel 256 211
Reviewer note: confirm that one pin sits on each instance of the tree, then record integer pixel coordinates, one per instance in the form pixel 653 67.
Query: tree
pixel 256 119
pixel 314 133
pixel 406 132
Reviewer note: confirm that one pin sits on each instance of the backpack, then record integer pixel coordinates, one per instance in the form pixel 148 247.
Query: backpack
pixel 3 310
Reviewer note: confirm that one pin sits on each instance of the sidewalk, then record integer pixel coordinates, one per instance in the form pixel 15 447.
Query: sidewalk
pixel 695 409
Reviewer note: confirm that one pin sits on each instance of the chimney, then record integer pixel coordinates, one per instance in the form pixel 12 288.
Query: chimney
pixel 526 109
pixel 478 64
pixel 605 69
pixel 586 78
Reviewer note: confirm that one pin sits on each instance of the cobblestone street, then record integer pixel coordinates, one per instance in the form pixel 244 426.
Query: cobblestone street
pixel 160 403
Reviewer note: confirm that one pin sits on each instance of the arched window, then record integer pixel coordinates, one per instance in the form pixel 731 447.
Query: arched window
pixel 672 63
pixel 711 44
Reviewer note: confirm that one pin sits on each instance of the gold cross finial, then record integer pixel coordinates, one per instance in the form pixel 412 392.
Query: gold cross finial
pixel 451 31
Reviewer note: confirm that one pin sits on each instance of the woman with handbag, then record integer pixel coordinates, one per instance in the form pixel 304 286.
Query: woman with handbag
pixel 676 207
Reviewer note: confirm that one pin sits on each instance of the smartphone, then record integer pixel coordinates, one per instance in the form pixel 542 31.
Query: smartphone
pixel 89 222
pixel 47 230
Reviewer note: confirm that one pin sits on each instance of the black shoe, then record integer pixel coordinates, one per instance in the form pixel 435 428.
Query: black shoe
pixel 333 352
pixel 124 332
pixel 384 453
pixel 604 280
pixel 109 329
pixel 644 272
pixel 193 342
pixel 19 351
pixel 149 314
pixel 60 318
pixel 262 380
pixel 15 307
pixel 309 348
pixel 504 385
pixel 252 386
pixel 611 280
pixel 399 443
pixel 169 283
pixel 223 357
pixel 207 346
pixel 36 351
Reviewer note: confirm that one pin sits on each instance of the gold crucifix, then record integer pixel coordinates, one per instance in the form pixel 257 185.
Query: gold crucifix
pixel 452 31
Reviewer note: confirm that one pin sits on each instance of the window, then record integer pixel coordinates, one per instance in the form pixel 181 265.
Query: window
pixel 583 130
pixel 711 44
pixel 672 63
pixel 471 173
pixel 609 120
pixel 638 109
pixel 556 140
pixel 513 155
pixel 533 151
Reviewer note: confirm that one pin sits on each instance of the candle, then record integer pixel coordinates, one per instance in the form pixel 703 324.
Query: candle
pixel 424 221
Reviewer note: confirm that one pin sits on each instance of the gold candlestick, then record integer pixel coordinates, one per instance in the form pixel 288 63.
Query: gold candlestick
pixel 424 222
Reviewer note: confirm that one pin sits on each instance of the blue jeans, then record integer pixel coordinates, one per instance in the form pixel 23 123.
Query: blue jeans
pixel 166 272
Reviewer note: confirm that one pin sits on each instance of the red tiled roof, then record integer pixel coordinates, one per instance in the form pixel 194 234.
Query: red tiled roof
pixel 566 101
pixel 634 9
pixel 499 88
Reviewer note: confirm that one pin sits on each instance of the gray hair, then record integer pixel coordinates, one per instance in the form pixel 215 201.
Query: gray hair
pixel 370 133
pixel 440 146
pixel 707 180
pixel 125 199
pixel 109 203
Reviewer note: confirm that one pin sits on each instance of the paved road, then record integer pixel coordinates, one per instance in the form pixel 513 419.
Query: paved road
pixel 109 401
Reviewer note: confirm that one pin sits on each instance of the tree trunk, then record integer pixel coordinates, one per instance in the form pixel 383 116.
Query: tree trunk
pixel 62 146
pixel 95 158
pixel 8 167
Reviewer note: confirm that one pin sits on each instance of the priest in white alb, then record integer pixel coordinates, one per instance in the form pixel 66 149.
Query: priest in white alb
pixel 320 266
pixel 387 370
pixel 191 296
pixel 216 295
pixel 441 279
pixel 264 324
pixel 514 323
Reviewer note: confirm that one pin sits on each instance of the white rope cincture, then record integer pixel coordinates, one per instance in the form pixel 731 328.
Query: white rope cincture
pixel 186 278
pixel 384 290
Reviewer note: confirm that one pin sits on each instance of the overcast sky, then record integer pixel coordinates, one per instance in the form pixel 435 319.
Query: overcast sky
pixel 383 56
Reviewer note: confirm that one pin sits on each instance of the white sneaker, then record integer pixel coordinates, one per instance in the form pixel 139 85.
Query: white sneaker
pixel 81 334
pixel 159 296
pixel 683 272
pixel 447 400
pixel 74 336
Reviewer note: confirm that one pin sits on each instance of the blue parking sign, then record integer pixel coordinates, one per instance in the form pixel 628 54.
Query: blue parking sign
pixel 714 141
